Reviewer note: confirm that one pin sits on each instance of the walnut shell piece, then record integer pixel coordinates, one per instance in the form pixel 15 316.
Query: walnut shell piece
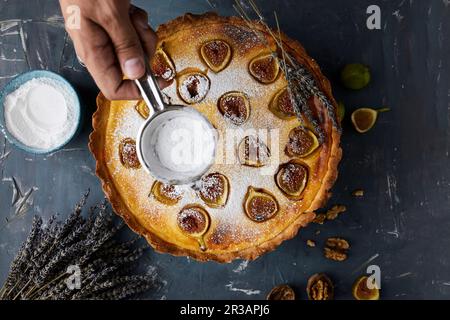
pixel 216 54
pixel 264 68
pixel 302 142
pixel 214 190
pixel 128 155
pixel 361 291
pixel 253 152
pixel 282 105
pixel 336 249
pixel 320 287
pixel 162 66
pixel 292 178
pixel 166 193
pixel 282 292
pixel 260 205
pixel 193 87
pixel 235 107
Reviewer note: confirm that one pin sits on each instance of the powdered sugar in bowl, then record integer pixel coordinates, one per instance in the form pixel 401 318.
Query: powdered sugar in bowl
pixel 39 112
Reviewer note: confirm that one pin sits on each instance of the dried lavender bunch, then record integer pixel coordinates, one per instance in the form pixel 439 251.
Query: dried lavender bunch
pixel 302 85
pixel 40 268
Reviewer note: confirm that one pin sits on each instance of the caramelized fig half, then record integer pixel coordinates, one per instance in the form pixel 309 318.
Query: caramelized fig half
pixel 282 105
pixel 264 68
pixel 292 178
pixel 214 190
pixel 216 54
pixel 193 87
pixel 193 220
pixel 302 142
pixel 235 107
pixel 260 205
pixel 162 66
pixel 253 152
pixel 166 193
pixel 361 290
pixel 128 155
pixel 142 109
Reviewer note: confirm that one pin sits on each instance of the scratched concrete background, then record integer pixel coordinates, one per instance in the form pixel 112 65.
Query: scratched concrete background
pixel 402 222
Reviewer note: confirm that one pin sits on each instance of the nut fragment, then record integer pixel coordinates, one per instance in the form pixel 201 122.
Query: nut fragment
pixel 128 155
pixel 320 287
pixel 216 54
pixel 320 218
pixel 264 68
pixel 335 211
pixel 260 205
pixel 167 194
pixel 292 178
pixel 336 249
pixel 214 189
pixel 253 152
pixel 193 87
pixel 361 291
pixel 162 66
pixel 310 243
pixel 282 292
pixel 282 106
pixel 235 107
pixel 302 142
pixel 142 109
pixel 358 193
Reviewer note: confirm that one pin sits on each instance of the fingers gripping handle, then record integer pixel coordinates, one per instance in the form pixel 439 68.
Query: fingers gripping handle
pixel 150 92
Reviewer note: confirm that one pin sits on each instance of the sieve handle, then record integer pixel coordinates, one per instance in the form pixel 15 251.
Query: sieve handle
pixel 150 92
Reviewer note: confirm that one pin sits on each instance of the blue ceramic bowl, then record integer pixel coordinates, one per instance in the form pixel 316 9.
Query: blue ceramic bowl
pixel 20 80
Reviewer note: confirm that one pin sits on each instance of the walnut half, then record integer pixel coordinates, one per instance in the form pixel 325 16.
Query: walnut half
pixel 336 249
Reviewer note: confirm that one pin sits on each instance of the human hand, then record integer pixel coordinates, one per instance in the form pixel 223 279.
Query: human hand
pixel 111 41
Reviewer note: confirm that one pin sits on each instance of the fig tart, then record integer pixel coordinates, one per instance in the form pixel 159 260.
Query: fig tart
pixel 228 71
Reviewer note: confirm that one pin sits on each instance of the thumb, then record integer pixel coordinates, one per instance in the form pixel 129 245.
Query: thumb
pixel 128 47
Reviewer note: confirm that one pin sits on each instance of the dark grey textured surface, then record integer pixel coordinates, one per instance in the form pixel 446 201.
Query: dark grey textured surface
pixel 402 222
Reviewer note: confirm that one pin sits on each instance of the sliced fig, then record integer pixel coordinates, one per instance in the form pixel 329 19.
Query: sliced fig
pixel 260 205
pixel 214 190
pixel 194 221
pixel 162 66
pixel 235 107
pixel 142 109
pixel 292 178
pixel 166 193
pixel 128 155
pixel 282 105
pixel 365 288
pixel 253 152
pixel 302 142
pixel 193 87
pixel 216 54
pixel 264 68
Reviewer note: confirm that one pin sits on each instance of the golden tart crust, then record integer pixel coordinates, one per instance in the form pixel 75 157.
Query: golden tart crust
pixel 231 234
